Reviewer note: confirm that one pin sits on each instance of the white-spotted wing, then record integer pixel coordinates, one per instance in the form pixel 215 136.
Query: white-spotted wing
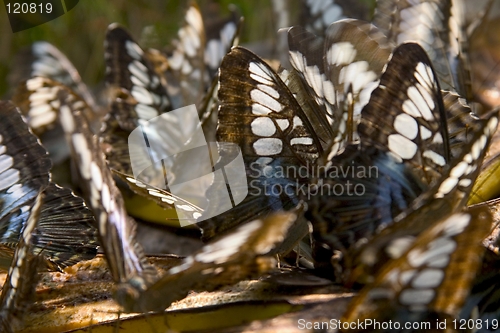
pixel 116 229
pixel 308 80
pixel 245 252
pixel 141 95
pixel 45 60
pixel 461 122
pixel 193 61
pixel 162 197
pixel 260 114
pixel 402 149
pixel 25 164
pixel 137 90
pixel 221 35
pixel 38 102
pixel 356 53
pixel 446 196
pixel 432 277
pixel 409 99
pixel 340 72
pixel 19 288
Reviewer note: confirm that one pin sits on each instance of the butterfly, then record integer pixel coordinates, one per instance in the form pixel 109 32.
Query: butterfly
pixel 124 255
pixel 25 168
pixel 430 279
pixel 184 79
pixel 40 86
pixel 440 28
pixel 259 113
pixel 340 72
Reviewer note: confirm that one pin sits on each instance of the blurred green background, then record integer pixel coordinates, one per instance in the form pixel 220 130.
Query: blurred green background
pixel 154 23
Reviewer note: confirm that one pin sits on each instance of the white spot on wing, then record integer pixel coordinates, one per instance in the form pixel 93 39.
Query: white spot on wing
pixel 261 72
pixel 341 53
pixel 142 95
pixel 434 157
pixel 410 108
pixel 96 175
pixel 66 118
pixel 145 111
pixel 401 146
pixel 139 71
pixel 263 126
pixel 425 133
pixel 456 224
pixel 80 145
pixel 416 296
pixel 269 90
pixel 133 50
pixel 297 122
pixel 357 74
pixel 39 121
pixel 420 103
pixel 301 141
pixel 424 75
pixel 35 83
pixel 260 110
pixel 428 278
pixel 266 100
pixel 406 125
pixel 442 246
pixel 446 186
pixel 5 162
pixel 268 146
pixel 282 123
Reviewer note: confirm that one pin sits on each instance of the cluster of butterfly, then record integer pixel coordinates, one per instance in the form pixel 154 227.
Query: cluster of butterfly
pixel 357 107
